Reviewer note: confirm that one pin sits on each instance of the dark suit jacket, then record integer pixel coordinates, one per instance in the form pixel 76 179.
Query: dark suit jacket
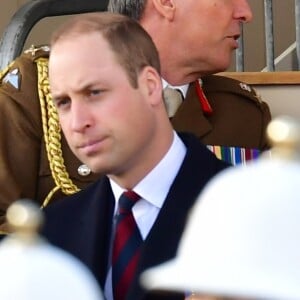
pixel 82 223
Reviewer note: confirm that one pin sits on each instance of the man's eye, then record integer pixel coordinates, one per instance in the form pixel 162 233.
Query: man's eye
pixel 95 92
pixel 62 102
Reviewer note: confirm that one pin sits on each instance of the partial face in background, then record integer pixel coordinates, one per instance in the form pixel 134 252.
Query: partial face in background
pixel 207 31
pixel 106 121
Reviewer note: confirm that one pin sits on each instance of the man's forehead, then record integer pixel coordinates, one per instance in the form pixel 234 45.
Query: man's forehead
pixel 90 49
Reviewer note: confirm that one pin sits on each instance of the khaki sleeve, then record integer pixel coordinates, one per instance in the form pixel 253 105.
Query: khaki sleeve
pixel 20 133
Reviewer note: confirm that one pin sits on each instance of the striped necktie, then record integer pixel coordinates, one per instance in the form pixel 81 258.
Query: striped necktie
pixel 172 99
pixel 126 246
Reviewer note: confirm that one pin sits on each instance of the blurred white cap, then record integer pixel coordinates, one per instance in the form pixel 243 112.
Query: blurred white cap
pixel 31 269
pixel 242 237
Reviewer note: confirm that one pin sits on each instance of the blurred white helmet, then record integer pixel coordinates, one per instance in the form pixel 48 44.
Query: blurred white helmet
pixel 243 235
pixel 31 269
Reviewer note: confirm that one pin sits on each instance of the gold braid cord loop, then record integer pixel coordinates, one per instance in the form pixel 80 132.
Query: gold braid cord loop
pixel 52 135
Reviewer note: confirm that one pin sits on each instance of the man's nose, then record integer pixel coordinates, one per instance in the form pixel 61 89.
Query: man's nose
pixel 243 11
pixel 80 116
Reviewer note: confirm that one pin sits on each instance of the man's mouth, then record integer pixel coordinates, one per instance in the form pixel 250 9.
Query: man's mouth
pixel 90 146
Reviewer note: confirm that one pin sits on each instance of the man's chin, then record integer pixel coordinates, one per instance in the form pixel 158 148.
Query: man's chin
pixel 222 67
pixel 98 168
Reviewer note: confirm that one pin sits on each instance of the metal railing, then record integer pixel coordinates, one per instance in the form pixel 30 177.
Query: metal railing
pixel 269 39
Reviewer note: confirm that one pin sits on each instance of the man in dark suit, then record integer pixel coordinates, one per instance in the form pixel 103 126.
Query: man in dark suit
pixel 109 100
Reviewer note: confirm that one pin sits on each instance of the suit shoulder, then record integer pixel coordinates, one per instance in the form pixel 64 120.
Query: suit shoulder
pixel 222 84
pixel 76 200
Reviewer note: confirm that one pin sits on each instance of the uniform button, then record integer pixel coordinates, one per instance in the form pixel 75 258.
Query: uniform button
pixel 84 170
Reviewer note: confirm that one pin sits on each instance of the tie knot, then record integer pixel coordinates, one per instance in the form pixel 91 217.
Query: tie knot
pixel 127 200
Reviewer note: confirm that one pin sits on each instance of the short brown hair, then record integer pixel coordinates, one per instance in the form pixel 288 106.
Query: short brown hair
pixel 131 44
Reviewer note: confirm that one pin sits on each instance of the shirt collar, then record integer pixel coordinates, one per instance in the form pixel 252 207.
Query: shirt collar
pixel 183 88
pixel 153 190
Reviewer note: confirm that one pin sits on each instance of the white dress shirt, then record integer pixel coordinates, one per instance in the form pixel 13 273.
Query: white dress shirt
pixel 153 189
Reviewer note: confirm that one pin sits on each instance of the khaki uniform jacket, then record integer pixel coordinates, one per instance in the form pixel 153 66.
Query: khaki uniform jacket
pixel 238 119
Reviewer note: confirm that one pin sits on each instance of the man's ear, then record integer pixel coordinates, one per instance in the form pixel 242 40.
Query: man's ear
pixel 152 83
pixel 165 8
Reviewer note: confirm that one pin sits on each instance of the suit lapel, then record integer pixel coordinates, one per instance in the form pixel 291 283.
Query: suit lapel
pixel 190 117
pixel 198 167
pixel 94 228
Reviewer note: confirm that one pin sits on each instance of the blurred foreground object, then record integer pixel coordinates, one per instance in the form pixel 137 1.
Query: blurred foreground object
pixel 243 235
pixel 32 269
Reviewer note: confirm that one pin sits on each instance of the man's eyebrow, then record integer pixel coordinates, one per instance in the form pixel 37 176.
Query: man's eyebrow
pixel 82 86
pixel 86 84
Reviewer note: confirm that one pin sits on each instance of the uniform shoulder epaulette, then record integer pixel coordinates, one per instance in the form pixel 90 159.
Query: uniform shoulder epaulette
pixel 218 83
pixel 34 52
pixel 12 74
